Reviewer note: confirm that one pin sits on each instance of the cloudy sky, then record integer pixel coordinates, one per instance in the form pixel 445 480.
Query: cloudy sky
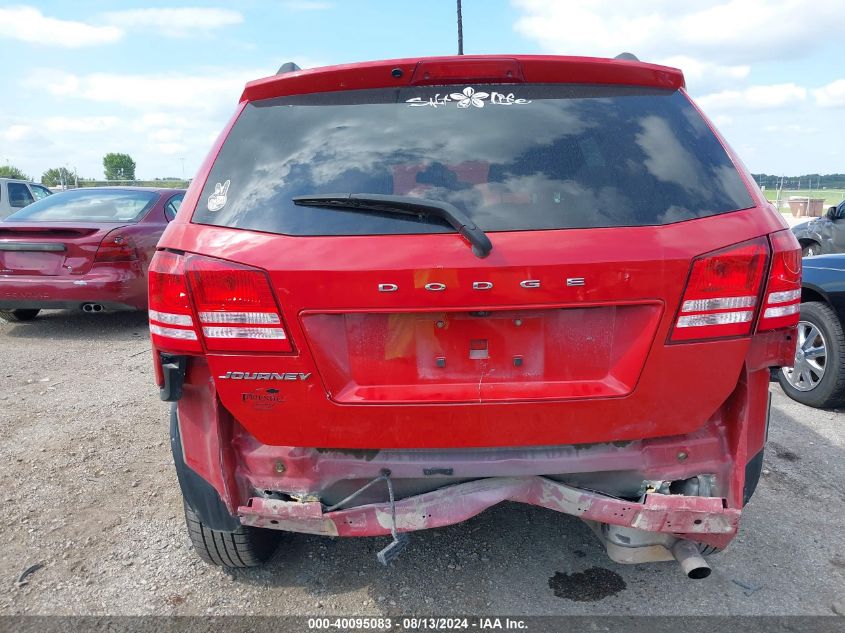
pixel 158 79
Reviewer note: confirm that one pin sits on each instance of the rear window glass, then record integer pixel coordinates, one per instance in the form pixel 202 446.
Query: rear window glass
pixel 516 157
pixel 88 205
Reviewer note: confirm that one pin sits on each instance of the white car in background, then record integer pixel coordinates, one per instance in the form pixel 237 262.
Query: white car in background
pixel 16 194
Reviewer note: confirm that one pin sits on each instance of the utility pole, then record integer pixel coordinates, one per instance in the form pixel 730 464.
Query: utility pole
pixel 460 30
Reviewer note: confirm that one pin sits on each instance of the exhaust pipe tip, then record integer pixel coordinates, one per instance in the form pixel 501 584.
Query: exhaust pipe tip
pixel 690 560
pixel 699 573
pixel 92 307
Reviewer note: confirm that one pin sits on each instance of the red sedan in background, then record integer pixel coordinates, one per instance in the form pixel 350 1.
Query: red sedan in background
pixel 84 248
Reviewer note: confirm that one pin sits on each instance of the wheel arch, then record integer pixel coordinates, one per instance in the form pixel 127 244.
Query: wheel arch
pixel 197 493
pixel 805 241
pixel 811 292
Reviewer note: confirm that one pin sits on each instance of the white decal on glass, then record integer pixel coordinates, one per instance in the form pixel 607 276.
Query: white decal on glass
pixel 468 97
pixel 217 200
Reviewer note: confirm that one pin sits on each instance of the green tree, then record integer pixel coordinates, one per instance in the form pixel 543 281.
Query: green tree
pixel 119 166
pixel 58 176
pixel 10 171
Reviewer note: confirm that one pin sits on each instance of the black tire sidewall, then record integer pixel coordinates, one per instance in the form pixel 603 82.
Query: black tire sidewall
pixel 814 246
pixel 829 390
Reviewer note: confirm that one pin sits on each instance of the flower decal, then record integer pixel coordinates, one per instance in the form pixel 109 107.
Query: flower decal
pixel 469 97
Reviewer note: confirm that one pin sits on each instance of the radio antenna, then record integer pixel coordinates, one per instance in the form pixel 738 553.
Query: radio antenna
pixel 460 30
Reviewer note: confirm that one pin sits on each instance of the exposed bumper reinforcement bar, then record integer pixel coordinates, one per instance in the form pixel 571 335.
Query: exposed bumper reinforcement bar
pixel 703 519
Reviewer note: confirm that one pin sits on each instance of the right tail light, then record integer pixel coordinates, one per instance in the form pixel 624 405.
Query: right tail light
pixel 720 299
pixel 782 303
pixel 725 287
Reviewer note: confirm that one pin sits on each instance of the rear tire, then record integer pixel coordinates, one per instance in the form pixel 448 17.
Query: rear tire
pixel 244 547
pixel 811 249
pixel 825 346
pixel 13 316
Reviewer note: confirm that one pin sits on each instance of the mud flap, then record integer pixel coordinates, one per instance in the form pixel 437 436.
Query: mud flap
pixel 198 494
pixel 754 467
pixel 752 476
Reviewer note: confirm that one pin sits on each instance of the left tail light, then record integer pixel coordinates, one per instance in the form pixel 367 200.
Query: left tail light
pixel 171 318
pixel 229 307
pixel 236 307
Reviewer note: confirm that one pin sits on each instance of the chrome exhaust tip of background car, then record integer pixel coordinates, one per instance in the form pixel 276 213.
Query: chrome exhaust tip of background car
pixel 690 560
pixel 92 307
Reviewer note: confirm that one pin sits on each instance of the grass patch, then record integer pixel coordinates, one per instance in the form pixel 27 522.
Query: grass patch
pixel 831 197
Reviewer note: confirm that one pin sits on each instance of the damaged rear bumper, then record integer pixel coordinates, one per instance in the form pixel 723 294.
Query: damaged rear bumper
pixel 703 519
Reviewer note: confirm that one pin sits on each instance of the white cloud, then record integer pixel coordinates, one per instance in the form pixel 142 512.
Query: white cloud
pixel 158 119
pixel 700 74
pixel 80 124
pixel 168 116
pixel 162 120
pixel 166 135
pixel 754 98
pixel 171 148
pixel 28 24
pixel 714 42
pixel 733 32
pixel 794 128
pixel 206 92
pixel 16 132
pixel 179 22
pixel 832 95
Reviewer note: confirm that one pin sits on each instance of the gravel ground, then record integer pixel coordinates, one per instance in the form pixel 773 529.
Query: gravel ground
pixel 88 490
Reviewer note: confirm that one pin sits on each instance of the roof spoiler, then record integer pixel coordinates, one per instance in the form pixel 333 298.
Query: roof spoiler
pixel 399 72
pixel 287 67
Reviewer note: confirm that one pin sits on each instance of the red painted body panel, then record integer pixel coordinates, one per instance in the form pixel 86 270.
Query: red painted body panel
pixel 117 284
pixel 662 411
pixel 73 277
pixel 527 68
pixel 641 263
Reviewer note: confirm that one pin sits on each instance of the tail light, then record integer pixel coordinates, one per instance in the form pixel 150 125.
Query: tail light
pixel 228 306
pixel 783 291
pixel 720 299
pixel 171 317
pixel 116 247
pixel 236 307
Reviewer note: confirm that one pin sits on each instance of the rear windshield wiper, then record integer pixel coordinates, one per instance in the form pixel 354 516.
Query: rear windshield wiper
pixel 403 205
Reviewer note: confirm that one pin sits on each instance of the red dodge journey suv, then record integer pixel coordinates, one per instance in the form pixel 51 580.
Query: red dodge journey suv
pixel 398 293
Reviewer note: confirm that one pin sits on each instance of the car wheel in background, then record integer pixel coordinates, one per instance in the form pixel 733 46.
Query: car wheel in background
pixel 817 378
pixel 811 249
pixel 18 315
